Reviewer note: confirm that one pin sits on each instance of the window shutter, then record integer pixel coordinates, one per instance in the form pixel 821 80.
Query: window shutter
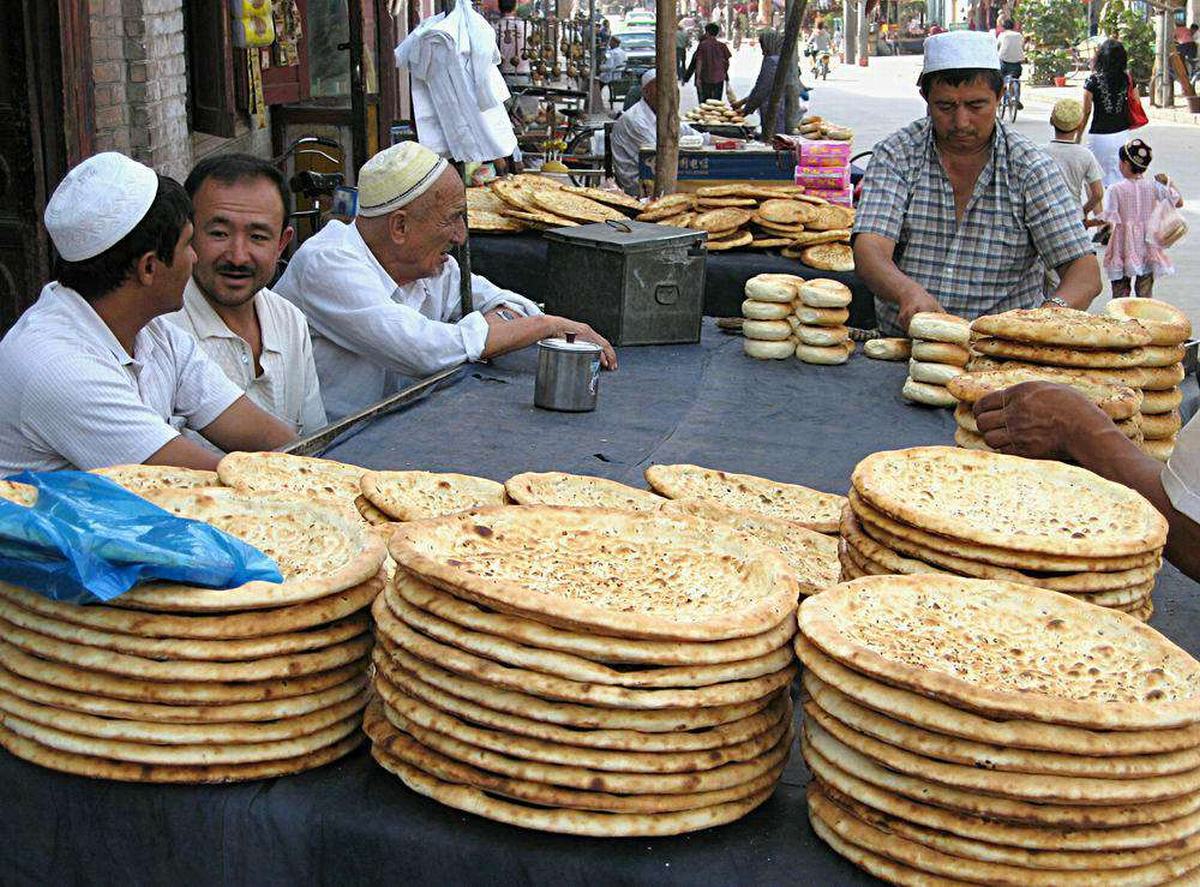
pixel 212 87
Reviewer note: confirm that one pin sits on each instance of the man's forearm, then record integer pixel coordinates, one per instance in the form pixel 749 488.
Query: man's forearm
pixel 510 335
pixel 1079 282
pixel 882 276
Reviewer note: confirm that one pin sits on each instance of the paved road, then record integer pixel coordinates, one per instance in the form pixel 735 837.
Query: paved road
pixel 883 97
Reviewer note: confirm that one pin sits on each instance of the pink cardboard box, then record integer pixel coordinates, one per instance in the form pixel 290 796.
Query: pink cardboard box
pixel 823 153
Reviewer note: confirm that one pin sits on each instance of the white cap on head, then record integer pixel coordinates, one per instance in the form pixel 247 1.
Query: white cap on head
pixel 397 176
pixel 649 77
pixel 956 50
pixel 99 202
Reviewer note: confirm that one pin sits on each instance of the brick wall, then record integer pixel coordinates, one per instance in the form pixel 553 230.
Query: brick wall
pixel 139 66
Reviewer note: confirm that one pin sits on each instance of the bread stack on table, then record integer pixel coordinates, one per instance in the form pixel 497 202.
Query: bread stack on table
pixel 977 731
pixel 552 668
pixel 1114 349
pixel 786 315
pixel 766 329
pixel 992 516
pixel 170 683
pixel 1168 328
pixel 938 354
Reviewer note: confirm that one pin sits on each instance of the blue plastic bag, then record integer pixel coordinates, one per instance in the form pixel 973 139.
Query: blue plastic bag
pixel 89 540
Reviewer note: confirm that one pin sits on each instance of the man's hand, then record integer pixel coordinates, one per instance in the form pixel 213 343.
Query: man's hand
pixel 583 332
pixel 1036 419
pixel 915 303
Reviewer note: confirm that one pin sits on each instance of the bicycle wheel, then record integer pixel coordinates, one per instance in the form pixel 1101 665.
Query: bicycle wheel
pixel 1012 108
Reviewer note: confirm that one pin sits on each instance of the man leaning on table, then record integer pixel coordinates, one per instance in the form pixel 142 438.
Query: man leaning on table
pixel 1041 420
pixel 961 213
pixel 92 373
pixel 381 294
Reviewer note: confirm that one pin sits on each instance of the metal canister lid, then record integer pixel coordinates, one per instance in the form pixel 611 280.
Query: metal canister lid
pixel 568 344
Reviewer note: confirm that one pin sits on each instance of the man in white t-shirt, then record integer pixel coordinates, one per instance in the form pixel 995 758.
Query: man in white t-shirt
pixel 93 375
pixel 1078 164
pixel 1040 420
pixel 260 339
pixel 1010 44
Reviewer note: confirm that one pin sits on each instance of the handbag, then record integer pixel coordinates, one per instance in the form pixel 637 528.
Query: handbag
pixel 1167 226
pixel 1137 114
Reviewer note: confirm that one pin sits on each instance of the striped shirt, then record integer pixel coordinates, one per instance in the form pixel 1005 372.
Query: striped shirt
pixel 74 398
pixel 1021 219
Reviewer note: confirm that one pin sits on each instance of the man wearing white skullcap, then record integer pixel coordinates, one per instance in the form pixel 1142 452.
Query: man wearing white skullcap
pixel 635 129
pixel 959 212
pixel 382 294
pixel 93 375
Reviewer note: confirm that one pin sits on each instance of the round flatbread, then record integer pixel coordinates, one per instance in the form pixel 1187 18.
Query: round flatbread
pixel 1162 426
pixel 299 476
pixel 822 316
pixel 786 212
pixel 666 206
pixel 888 349
pixel 740 239
pixel 575 207
pixel 1012 635
pixel 761 350
pixel 1118 402
pixel 612 198
pixel 1157 402
pixel 1162 378
pixel 683 220
pixel 933 373
pixel 970 440
pixel 822 293
pixel 822 336
pixel 370 513
pixel 484 199
pixel 607 571
pixel 926 394
pixel 828 257
pixel 578 491
pixel 1159 449
pixel 420 495
pixel 1165 323
pixel 940 352
pixel 752 309
pixel 1059 356
pixel 1065 327
pixel 717 220
pixel 766 330
pixel 1162 355
pixel 1010 502
pixel 718 202
pixel 938 326
pixel 779 288
pixel 22 494
pixel 141 478
pixel 830 356
pixel 482 221
pixel 810 508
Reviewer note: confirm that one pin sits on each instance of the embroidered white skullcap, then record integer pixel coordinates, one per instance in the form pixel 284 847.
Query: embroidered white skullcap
pixel 649 77
pixel 397 176
pixel 960 49
pixel 99 202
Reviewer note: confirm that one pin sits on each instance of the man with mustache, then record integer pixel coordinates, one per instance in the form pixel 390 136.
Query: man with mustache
pixel 381 294
pixel 959 212
pixel 240 208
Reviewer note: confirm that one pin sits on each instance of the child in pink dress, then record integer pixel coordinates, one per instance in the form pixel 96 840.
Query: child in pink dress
pixel 1133 256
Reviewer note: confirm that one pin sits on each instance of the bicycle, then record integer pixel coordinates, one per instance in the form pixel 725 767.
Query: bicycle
pixel 1010 98
pixel 317 188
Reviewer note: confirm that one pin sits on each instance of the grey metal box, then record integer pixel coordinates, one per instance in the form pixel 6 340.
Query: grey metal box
pixel 633 282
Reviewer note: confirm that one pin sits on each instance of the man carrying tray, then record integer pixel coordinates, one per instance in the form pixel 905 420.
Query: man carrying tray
pixel 962 214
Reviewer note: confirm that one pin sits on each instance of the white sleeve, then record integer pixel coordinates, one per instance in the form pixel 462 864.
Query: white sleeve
pixel 485 296
pixel 312 408
pixel 625 161
pixel 202 390
pixel 1181 475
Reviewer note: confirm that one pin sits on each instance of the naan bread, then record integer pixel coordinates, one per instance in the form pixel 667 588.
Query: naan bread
pixel 141 478
pixel 578 491
pixel 1062 326
pixel 420 495
pixel 1118 402
pixel 300 476
pixel 1165 323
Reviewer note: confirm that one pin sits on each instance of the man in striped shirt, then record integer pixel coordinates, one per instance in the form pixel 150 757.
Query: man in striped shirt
pixel 962 214
pixel 93 375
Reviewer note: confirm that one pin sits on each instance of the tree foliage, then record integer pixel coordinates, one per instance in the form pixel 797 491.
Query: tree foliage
pixel 1052 27
pixel 1120 21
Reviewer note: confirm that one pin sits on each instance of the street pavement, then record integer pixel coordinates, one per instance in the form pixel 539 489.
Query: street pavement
pixel 881 98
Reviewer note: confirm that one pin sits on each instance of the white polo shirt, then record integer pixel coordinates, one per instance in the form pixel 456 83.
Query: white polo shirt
pixel 1181 476
pixel 73 398
pixel 370 334
pixel 288 387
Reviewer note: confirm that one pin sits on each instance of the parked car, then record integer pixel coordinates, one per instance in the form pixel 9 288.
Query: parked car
pixel 640 51
pixel 637 19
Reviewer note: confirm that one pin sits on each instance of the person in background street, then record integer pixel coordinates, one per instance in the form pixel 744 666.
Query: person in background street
pixel 1010 44
pixel 1132 256
pixel 961 213
pixel 510 38
pixel 240 207
pixel 788 114
pixel 635 128
pixel 822 44
pixel 1106 104
pixel 683 40
pixel 613 68
pixel 93 374
pixel 381 294
pixel 1185 42
pixel 741 24
pixel 1078 164
pixel 709 65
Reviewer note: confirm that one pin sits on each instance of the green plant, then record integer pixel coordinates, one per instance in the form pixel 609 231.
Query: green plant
pixel 1120 21
pixel 1051 26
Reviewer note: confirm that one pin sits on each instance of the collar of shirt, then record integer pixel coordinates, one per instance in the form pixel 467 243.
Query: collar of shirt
pixel 993 175
pixel 209 325
pixel 91 325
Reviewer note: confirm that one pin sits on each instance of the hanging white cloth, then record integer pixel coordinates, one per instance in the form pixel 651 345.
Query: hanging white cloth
pixel 458 91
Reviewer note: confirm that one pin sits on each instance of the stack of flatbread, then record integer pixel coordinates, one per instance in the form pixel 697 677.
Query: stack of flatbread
pixel 819 322
pixel 983 732
pixel 515 203
pixel 768 317
pixel 715 112
pixel 1109 350
pixel 1168 328
pixel 992 516
pixel 815 128
pixel 554 668
pixel 170 683
pixel 810 508
pixel 938 353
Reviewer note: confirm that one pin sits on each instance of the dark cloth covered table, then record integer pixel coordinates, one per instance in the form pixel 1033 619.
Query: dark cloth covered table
pixel 518 262
pixel 354 823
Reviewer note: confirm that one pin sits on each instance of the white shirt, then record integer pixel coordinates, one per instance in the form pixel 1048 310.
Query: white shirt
pixel 369 333
pixel 1181 476
pixel 614 65
pixel 1011 46
pixel 635 129
pixel 288 387
pixel 73 398
pixel 1078 164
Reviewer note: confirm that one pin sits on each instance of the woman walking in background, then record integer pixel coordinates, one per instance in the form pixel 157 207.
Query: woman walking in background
pixel 1106 104
pixel 1134 257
